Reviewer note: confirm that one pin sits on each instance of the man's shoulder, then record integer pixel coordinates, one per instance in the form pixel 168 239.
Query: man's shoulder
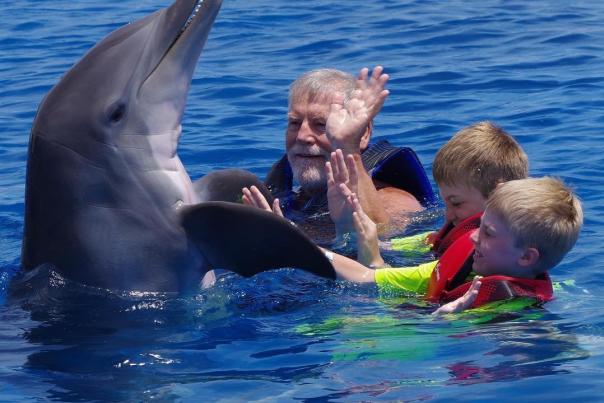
pixel 395 200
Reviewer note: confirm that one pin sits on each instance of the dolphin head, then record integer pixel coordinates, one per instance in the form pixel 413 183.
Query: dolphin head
pixel 119 108
pixel 133 82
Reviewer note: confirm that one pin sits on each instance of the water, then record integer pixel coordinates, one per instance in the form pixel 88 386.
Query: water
pixel 536 68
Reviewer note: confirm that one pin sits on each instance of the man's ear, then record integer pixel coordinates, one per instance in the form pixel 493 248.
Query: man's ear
pixel 366 137
pixel 530 257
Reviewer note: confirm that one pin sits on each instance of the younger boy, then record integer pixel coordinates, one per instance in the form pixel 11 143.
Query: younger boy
pixel 527 228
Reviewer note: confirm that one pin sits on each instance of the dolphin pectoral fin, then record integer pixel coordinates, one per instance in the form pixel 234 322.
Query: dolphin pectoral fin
pixel 248 240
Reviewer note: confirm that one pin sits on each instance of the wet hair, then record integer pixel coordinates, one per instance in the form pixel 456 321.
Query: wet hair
pixel 321 84
pixel 480 156
pixel 541 213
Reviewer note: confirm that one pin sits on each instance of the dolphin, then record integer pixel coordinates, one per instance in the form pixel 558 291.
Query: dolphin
pixel 108 203
pixel 227 185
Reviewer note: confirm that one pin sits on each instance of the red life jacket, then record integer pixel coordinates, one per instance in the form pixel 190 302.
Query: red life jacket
pixel 448 281
pixel 449 233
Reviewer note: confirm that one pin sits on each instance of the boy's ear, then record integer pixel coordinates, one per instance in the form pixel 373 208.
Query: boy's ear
pixel 529 258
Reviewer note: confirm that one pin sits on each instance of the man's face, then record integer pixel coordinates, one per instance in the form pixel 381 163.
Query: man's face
pixel 494 249
pixel 306 143
pixel 461 202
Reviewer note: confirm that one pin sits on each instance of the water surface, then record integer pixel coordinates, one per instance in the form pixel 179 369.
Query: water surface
pixel 536 68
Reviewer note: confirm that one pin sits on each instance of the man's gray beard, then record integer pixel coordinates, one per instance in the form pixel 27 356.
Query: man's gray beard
pixel 311 177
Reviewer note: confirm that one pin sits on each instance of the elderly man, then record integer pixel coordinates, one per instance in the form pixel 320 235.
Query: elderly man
pixel 328 110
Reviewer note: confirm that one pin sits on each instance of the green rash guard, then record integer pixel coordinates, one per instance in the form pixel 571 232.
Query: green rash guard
pixel 412 279
pixel 411 246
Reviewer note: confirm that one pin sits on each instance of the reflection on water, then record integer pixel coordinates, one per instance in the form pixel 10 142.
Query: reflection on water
pixel 521 350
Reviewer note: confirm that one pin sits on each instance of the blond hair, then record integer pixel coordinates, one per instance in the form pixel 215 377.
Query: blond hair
pixel 480 156
pixel 541 213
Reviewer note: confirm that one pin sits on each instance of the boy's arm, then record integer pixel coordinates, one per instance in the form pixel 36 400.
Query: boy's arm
pixel 342 181
pixel 462 303
pixel 350 270
pixel 411 279
pixel 414 279
pixel 487 311
pixel 368 249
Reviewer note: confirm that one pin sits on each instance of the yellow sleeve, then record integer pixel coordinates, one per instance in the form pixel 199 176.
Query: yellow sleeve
pixel 413 245
pixel 412 279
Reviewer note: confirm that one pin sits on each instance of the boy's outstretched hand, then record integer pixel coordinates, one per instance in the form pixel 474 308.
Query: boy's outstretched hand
pixel 342 181
pixel 368 250
pixel 462 303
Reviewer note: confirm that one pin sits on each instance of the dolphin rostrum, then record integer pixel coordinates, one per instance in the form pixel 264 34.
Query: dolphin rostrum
pixel 108 202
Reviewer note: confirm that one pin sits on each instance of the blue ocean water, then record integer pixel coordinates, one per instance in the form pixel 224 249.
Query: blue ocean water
pixel 536 68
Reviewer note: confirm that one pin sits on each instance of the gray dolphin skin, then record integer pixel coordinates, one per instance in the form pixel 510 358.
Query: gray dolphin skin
pixel 105 189
pixel 226 185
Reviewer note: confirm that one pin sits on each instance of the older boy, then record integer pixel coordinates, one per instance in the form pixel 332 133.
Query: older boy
pixel 466 169
pixel 527 228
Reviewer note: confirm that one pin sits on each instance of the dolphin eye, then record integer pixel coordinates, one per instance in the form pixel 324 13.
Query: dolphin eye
pixel 117 113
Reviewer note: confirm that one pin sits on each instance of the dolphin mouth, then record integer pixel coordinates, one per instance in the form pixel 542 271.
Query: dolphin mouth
pixel 192 16
pixel 195 12
pixel 199 10
pixel 188 35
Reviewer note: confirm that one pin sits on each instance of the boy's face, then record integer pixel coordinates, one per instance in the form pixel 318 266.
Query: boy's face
pixel 495 252
pixel 461 202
